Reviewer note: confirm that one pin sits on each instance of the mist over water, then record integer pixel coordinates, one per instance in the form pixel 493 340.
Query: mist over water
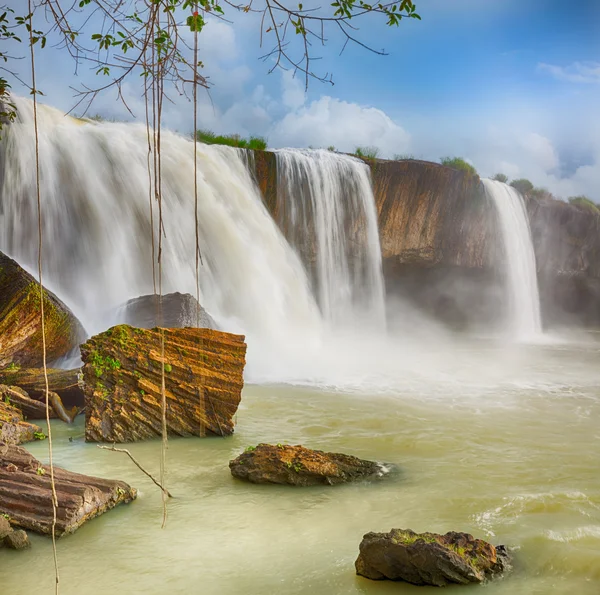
pixel 524 319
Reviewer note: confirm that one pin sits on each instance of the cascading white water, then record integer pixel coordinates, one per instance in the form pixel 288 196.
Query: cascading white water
pixel 523 293
pixel 97 231
pixel 326 209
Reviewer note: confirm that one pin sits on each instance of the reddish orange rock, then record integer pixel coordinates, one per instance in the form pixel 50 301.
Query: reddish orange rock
pixel 122 382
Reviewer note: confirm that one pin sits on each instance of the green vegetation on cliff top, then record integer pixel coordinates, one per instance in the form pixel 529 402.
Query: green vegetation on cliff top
pixel 458 163
pixel 231 140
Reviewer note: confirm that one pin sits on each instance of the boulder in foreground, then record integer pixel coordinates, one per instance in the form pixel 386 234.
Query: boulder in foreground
pixel 300 466
pixel 64 383
pixel 429 558
pixel 20 319
pixel 26 493
pixel 173 310
pixel 122 382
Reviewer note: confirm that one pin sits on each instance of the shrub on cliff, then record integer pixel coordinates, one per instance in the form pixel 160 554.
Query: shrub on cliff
pixel 501 178
pixel 231 140
pixel 522 185
pixel 458 163
pixel 584 202
pixel 367 152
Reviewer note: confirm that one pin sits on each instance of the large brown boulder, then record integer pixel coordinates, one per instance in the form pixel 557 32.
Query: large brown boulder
pixel 173 310
pixel 64 383
pixel 17 397
pixel 299 466
pixel 12 427
pixel 429 558
pixel 20 319
pixel 122 377
pixel 26 493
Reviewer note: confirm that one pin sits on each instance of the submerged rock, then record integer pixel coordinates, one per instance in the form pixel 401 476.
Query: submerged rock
pixel 122 382
pixel 14 430
pixel 65 383
pixel 20 319
pixel 429 558
pixel 299 466
pixel 26 493
pixel 173 310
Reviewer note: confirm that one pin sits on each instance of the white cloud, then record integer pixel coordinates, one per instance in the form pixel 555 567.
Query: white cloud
pixel 292 92
pixel 329 121
pixel 578 72
pixel 541 150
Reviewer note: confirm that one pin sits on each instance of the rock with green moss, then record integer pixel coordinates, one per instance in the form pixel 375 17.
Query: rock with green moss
pixel 20 320
pixel 429 558
pixel 300 466
pixel 122 382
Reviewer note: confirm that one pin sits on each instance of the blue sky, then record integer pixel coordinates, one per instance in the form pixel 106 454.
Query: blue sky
pixel 511 85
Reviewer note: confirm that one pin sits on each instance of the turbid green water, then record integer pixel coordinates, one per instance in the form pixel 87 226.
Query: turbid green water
pixel 502 443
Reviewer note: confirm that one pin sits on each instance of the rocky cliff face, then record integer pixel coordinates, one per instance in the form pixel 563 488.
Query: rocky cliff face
pixel 442 251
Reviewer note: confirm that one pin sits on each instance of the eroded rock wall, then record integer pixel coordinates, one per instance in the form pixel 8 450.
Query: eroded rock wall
pixel 442 251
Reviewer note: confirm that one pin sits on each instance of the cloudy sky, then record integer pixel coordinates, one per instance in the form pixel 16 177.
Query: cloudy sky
pixel 510 85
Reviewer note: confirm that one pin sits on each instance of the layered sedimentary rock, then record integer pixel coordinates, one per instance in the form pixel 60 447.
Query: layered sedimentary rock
pixel 300 466
pixel 17 397
pixel 13 429
pixel 20 319
pixel 64 383
pixel 122 375
pixel 173 310
pixel 26 493
pixel 429 558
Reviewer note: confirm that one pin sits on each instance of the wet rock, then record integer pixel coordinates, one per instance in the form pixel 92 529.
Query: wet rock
pixel 26 493
pixel 17 397
pixel 429 558
pixel 12 427
pixel 17 540
pixel 175 310
pixel 20 319
pixel 300 466
pixel 122 375
pixel 64 383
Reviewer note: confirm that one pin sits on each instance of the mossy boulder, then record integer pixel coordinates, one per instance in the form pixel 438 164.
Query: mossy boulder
pixel 300 466
pixel 122 377
pixel 21 320
pixel 429 558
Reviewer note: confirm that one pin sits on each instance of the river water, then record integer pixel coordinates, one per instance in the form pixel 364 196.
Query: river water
pixel 502 442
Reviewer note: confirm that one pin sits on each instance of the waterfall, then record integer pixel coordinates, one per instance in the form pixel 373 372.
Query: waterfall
pixel 520 267
pixel 326 209
pixel 97 229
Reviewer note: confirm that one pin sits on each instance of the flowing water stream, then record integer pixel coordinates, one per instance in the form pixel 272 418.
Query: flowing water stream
pixel 500 443
pixel 524 317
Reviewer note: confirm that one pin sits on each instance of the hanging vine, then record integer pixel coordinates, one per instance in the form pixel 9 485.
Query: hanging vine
pixel 34 93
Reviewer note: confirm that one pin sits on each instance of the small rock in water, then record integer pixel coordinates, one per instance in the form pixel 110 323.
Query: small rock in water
pixel 5 527
pixel 300 466
pixel 17 540
pixel 429 558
